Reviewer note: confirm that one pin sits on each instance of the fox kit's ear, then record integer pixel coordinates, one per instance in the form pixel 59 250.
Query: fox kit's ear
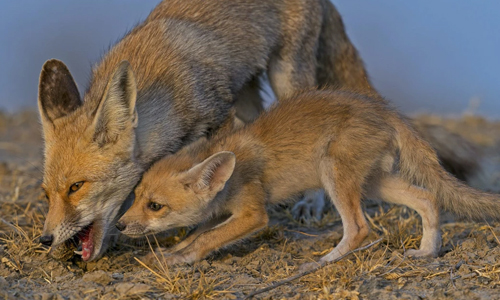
pixel 116 111
pixel 57 92
pixel 211 175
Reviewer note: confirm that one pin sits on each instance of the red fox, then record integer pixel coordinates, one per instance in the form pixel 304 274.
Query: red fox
pixel 189 63
pixel 352 145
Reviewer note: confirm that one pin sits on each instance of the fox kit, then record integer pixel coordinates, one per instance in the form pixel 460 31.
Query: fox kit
pixel 352 145
pixel 188 63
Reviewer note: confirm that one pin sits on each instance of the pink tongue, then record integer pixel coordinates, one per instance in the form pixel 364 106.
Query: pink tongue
pixel 87 243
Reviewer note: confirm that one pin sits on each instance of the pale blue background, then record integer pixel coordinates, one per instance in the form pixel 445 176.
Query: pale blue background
pixel 425 56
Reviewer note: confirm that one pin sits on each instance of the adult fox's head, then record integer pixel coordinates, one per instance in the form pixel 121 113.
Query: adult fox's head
pixel 90 156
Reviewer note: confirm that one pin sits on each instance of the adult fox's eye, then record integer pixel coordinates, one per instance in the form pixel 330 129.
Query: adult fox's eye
pixel 154 206
pixel 75 187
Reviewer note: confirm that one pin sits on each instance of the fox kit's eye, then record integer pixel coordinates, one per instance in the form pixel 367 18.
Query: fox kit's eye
pixel 154 206
pixel 75 187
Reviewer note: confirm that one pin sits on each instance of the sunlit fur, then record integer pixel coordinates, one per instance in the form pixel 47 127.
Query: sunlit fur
pixel 189 63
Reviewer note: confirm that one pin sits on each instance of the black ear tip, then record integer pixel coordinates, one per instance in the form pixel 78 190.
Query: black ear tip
pixel 54 65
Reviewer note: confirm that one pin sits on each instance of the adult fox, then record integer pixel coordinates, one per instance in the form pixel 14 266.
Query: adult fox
pixel 188 64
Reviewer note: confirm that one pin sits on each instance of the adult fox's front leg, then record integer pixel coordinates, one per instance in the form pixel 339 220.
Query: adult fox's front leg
pixel 291 69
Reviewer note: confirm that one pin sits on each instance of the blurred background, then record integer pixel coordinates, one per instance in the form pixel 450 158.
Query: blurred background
pixel 437 56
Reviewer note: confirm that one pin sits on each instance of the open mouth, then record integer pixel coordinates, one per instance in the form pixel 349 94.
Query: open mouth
pixel 84 239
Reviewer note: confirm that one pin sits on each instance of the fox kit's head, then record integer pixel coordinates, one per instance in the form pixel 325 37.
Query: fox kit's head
pixel 90 150
pixel 169 197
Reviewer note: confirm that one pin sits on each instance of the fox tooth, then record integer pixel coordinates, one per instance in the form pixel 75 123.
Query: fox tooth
pixel 78 252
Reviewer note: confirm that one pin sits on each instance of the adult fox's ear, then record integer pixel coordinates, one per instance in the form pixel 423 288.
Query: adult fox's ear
pixel 116 111
pixel 211 175
pixel 57 92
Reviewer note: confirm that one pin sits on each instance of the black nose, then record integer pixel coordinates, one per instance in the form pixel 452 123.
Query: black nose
pixel 46 240
pixel 120 226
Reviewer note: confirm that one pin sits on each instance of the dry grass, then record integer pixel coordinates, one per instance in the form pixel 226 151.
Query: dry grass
pixel 194 284
pixel 466 268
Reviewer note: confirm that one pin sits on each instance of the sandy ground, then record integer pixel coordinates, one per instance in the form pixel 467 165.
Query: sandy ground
pixel 468 266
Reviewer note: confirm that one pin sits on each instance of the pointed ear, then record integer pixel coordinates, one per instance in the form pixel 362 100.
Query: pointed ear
pixel 116 111
pixel 57 91
pixel 211 175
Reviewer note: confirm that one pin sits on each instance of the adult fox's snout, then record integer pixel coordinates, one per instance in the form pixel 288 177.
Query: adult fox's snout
pixel 46 240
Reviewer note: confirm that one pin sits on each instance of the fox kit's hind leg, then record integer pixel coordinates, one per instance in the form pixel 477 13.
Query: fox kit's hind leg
pixel 345 194
pixel 395 190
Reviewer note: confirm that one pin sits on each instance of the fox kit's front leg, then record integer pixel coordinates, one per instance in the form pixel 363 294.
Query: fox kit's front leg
pixel 249 215
pixel 161 253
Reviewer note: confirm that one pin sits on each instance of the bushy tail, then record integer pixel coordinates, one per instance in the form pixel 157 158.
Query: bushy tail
pixel 456 154
pixel 419 164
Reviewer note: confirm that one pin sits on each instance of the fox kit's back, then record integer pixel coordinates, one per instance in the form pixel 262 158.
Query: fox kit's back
pixel 311 116
pixel 297 133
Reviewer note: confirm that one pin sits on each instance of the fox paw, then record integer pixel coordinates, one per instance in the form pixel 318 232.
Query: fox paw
pixel 176 259
pixel 421 253
pixel 310 207
pixel 166 257
pixel 150 258
pixel 308 266
pixel 155 257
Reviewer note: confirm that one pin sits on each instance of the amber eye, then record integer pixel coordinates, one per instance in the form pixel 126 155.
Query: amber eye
pixel 154 206
pixel 75 187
